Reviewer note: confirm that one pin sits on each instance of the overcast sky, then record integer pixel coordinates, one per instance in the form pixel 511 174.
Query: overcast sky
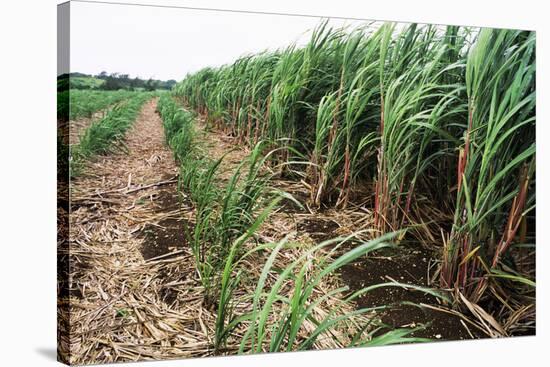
pixel 168 43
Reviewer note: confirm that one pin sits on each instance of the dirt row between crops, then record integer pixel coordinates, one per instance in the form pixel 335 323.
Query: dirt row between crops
pixel 412 264
pixel 134 294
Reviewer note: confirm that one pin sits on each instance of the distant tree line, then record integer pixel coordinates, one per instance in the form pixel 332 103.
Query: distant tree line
pixel 113 81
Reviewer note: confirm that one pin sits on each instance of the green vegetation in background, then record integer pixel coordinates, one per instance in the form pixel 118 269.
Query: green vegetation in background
pixel 114 81
pixel 86 83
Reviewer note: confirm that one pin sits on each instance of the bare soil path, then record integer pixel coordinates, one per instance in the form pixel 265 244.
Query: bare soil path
pixel 134 294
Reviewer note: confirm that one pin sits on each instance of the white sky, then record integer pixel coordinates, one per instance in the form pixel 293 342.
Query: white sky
pixel 167 43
